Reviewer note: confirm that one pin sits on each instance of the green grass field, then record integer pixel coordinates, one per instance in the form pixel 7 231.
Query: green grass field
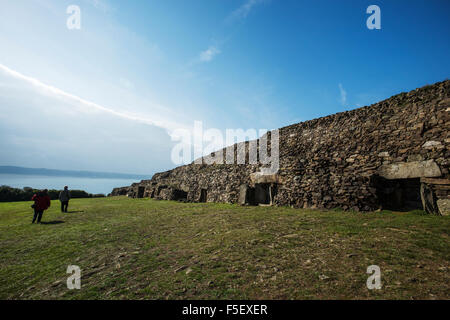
pixel 147 249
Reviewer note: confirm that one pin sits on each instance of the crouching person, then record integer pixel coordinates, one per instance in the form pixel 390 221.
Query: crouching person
pixel 41 203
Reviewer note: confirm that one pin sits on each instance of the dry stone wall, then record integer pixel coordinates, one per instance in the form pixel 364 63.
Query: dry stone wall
pixel 364 159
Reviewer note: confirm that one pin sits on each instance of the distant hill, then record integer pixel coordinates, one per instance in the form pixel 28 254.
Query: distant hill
pixel 70 173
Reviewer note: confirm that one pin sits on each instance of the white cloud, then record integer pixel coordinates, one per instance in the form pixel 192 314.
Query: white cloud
pixel 209 54
pixel 243 11
pixel 343 95
pixel 240 13
pixel 49 90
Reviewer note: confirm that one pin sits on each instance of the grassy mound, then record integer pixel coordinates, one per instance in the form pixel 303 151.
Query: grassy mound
pixel 147 249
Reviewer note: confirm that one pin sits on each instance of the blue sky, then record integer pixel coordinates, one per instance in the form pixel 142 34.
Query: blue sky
pixel 107 97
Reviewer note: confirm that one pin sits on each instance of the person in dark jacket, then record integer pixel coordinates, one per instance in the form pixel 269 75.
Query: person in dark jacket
pixel 41 203
pixel 64 197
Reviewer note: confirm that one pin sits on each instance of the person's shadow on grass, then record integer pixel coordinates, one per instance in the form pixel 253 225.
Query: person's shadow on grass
pixel 52 222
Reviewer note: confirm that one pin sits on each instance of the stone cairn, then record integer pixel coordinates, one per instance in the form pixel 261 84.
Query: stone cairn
pixel 390 155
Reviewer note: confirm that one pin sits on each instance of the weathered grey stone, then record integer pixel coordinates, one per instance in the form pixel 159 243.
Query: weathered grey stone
pixel 428 199
pixel 435 181
pixel 406 170
pixel 415 157
pixel 443 206
pixel 431 144
pixel 259 177
pixel 243 189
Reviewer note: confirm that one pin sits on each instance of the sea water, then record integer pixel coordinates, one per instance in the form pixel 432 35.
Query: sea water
pixel 90 185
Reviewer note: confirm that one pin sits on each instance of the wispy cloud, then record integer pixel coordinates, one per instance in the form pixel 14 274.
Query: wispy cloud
pixel 243 11
pixel 239 14
pixel 101 5
pixel 343 95
pixel 209 54
pixel 89 105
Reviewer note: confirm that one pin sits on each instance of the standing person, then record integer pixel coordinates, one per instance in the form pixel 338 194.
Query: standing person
pixel 64 197
pixel 41 203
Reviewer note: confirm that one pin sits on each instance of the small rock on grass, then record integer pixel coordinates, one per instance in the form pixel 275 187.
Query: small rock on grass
pixel 290 236
pixel 56 283
pixel 180 269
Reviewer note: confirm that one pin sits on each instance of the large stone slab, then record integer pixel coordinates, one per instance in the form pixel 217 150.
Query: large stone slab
pixel 243 190
pixel 246 195
pixel 444 206
pixel 406 170
pixel 435 181
pixel 428 198
pixel 261 177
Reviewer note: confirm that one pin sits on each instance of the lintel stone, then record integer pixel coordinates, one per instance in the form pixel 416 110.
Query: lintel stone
pixel 258 177
pixel 406 170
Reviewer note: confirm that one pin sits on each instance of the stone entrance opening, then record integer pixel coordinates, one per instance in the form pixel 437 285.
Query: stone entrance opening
pixel 399 194
pixel 203 195
pixel 141 191
pixel 179 195
pixel 264 193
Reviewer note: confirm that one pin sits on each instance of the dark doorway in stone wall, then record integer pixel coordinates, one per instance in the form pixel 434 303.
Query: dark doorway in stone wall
pixel 399 194
pixel 141 191
pixel 179 195
pixel 264 193
pixel 203 195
